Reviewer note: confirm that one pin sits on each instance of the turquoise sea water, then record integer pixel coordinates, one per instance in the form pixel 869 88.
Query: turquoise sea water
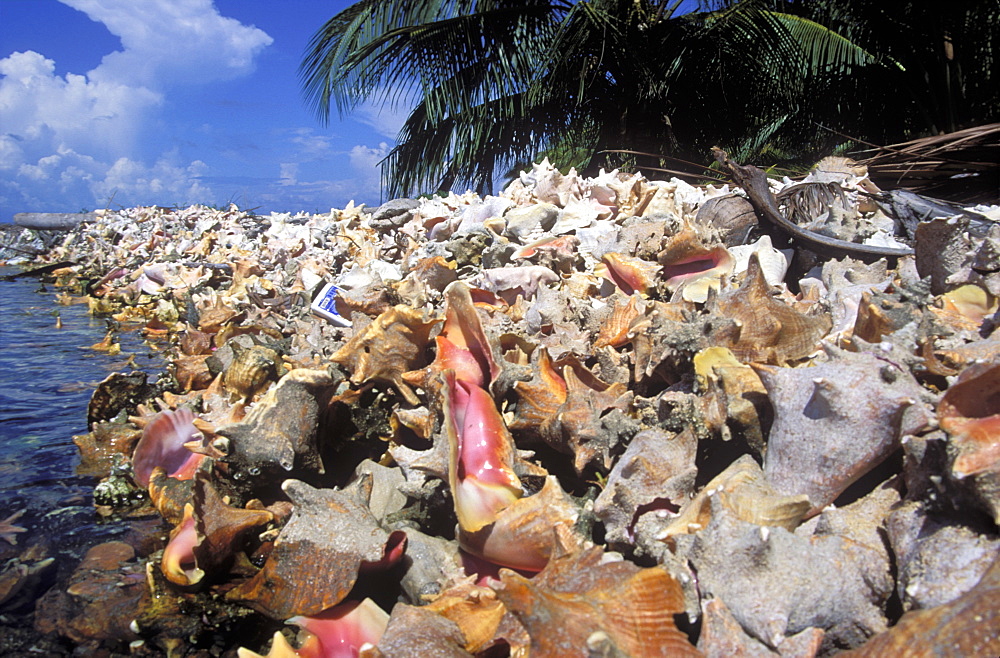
pixel 46 379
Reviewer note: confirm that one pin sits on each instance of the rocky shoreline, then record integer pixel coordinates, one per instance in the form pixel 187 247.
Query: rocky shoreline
pixel 588 416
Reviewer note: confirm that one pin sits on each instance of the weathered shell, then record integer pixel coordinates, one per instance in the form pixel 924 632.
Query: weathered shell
pixel 214 312
pixel 523 535
pixel 192 372
pixel 251 370
pixel 967 626
pixel 573 411
pixel 648 485
pixel 766 330
pixel 748 414
pixel 474 609
pixel 723 637
pixel 628 273
pixel 836 421
pixel 766 576
pixel 731 215
pixel 99 446
pixel 280 430
pixel 614 331
pixel 970 412
pixel 581 605
pixel 330 535
pixel 773 262
pixel 119 392
pixel 937 559
pixel 417 631
pixel 743 493
pixel 209 535
pixel 392 344
pixel 692 266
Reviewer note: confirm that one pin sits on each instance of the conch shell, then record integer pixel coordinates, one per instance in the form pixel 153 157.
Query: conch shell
pixel 209 535
pixel 629 273
pixel 251 370
pixel 481 473
pixel 836 421
pixel 742 491
pixel 691 266
pixel 585 601
pixel 969 412
pixel 163 444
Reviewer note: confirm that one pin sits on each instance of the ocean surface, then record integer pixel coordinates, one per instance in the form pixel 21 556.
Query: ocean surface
pixel 47 375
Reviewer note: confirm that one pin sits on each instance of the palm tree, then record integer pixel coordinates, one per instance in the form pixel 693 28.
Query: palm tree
pixel 596 81
pixel 927 68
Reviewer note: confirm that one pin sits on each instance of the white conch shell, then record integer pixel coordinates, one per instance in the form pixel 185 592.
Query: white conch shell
pixel 774 262
pixel 576 215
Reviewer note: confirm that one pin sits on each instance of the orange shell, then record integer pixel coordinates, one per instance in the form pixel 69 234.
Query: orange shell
pixel 580 602
pixel 970 412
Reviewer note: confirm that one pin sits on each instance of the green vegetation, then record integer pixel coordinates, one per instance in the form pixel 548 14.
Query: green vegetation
pixel 591 83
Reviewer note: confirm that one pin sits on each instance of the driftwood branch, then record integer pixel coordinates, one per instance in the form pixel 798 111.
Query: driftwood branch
pixel 754 183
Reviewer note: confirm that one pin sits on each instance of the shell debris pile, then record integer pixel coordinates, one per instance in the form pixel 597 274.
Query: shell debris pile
pixel 598 416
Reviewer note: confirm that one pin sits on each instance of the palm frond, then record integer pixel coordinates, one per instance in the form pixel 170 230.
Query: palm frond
pixel 824 49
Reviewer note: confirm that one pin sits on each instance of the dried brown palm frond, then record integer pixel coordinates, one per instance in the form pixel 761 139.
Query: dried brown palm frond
pixel 960 166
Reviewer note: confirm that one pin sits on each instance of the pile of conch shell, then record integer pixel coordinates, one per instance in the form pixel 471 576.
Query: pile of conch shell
pixel 586 417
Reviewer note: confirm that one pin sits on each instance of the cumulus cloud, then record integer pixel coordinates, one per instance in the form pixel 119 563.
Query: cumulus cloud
pixel 43 111
pixel 64 136
pixel 293 194
pixel 365 161
pixel 172 41
pixel 289 173
pixel 167 181
pixel 386 118
pixel 310 146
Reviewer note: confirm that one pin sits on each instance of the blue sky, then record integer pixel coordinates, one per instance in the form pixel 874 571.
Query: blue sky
pixel 128 102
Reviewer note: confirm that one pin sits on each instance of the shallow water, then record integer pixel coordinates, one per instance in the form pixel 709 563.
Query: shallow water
pixel 46 379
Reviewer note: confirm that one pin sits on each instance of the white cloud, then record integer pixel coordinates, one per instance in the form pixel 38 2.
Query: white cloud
pixel 11 153
pixel 363 184
pixel 289 172
pixel 44 111
pixel 385 119
pixel 168 182
pixel 172 41
pixel 74 140
pixel 311 146
pixel 365 163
